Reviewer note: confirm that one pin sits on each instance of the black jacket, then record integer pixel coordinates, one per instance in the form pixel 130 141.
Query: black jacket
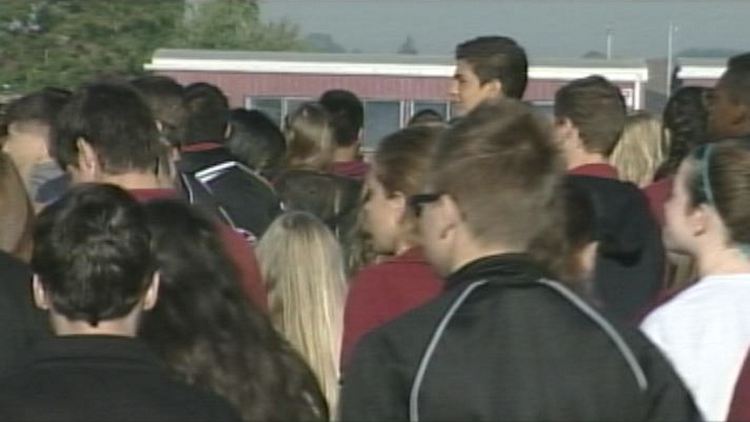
pixel 216 181
pixel 21 323
pixel 503 343
pixel 102 378
pixel 630 262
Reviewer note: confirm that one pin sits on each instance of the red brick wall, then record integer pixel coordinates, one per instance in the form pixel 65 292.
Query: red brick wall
pixel 237 86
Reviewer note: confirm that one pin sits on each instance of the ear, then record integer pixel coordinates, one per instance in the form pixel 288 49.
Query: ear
pixel 493 88
pixel 40 296
pixel 88 161
pixel 450 216
pixel 698 219
pixel 152 293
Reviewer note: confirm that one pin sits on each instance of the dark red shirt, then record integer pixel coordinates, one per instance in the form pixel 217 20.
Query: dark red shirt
pixel 739 409
pixel 238 249
pixel 657 194
pixel 355 169
pixel 596 170
pixel 381 292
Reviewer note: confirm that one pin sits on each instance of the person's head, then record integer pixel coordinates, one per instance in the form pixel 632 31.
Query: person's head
pixel 426 117
pixel 210 334
pixel 589 117
pixel 256 140
pixel 398 171
pixel 488 67
pixel 164 95
pixel 729 101
pixel 347 116
pixel 309 138
pixel 639 152
pixel 491 187
pixel 207 114
pixel 92 264
pixel 16 212
pixel 709 209
pixel 107 130
pixel 684 121
pixel 27 122
pixel 306 298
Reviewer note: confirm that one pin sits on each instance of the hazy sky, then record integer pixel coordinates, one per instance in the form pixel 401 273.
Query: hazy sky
pixel 548 28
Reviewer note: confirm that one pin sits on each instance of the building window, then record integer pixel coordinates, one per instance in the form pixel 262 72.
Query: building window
pixel 381 119
pixel 271 106
pixel 440 107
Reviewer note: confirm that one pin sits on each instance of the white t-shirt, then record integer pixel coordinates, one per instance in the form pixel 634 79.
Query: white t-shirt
pixel 705 333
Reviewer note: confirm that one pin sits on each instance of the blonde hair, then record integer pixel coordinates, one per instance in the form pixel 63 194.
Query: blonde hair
pixel 303 268
pixel 309 138
pixel 640 150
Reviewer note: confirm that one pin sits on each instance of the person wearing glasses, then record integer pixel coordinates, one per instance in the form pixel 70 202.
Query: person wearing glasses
pixel 504 341
pixel 404 280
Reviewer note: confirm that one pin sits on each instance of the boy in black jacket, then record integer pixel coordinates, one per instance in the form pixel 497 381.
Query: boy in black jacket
pixel 504 342
pixel 589 118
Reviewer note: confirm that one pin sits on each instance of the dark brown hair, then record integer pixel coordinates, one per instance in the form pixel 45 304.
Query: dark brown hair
pixel 501 167
pixel 496 57
pixel 720 177
pixel 402 161
pixel 596 108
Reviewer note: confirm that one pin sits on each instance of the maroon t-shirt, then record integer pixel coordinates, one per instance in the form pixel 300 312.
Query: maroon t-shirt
pixel 657 194
pixel 355 169
pixel 381 292
pixel 238 249
pixel 739 409
pixel 596 170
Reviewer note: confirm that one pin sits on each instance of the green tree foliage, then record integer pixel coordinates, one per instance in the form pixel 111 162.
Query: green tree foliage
pixel 67 42
pixel 408 46
pixel 234 25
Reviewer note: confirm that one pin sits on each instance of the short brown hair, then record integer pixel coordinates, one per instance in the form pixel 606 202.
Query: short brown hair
pixel 596 108
pixel 402 162
pixel 496 57
pixel 500 165
pixel 720 177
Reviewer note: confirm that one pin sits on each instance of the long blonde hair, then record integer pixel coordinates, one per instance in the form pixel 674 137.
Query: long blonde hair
pixel 640 150
pixel 303 269
pixel 309 138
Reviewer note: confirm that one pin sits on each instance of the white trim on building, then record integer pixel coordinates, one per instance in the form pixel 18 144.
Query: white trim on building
pixel 201 61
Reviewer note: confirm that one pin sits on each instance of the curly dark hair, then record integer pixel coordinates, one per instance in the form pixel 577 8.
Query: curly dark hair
pixel 685 119
pixel 210 335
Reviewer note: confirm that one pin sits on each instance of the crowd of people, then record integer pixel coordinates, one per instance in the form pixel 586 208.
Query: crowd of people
pixel 167 258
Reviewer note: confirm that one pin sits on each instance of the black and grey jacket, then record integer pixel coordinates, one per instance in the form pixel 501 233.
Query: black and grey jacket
pixel 506 343
pixel 217 182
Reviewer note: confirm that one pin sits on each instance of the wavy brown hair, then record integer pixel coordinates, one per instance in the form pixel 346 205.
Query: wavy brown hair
pixel 210 335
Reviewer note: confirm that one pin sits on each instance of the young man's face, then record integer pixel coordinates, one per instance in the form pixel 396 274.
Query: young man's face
pixel 467 91
pixel 722 112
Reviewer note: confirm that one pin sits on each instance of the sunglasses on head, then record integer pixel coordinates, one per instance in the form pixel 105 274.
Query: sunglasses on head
pixel 416 202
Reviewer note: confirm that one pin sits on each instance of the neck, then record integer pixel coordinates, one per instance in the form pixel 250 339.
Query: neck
pixel 470 252
pixel 122 327
pixel 134 180
pixel 581 158
pixel 727 260
pixel 342 154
